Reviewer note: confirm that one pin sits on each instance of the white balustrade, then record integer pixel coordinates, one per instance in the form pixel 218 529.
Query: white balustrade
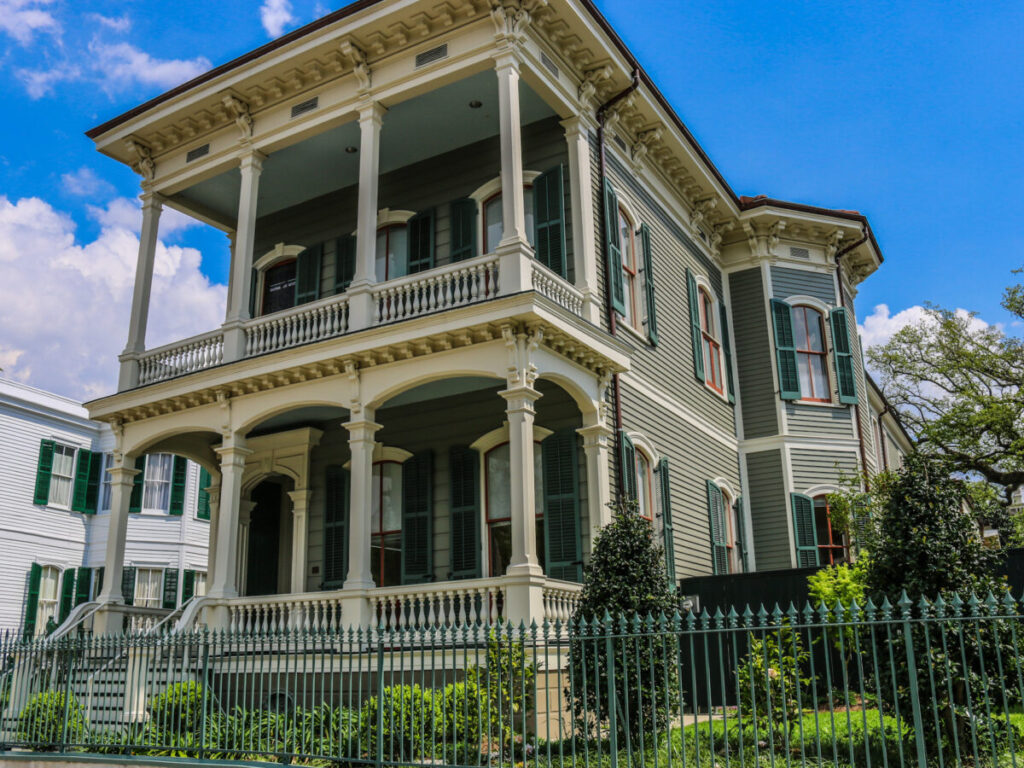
pixel 560 600
pixel 300 325
pixel 448 604
pixel 451 286
pixel 308 612
pixel 556 288
pixel 180 358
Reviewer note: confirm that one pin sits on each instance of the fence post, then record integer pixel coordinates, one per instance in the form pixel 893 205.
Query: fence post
pixel 380 696
pixel 613 735
pixel 915 701
pixel 67 692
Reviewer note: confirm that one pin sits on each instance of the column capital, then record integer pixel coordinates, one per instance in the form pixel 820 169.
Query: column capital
pixel 122 475
pixel 232 455
pixel 372 111
pixel 152 202
pixel 362 429
pixel 251 158
pixel 300 501
pixel 520 398
pixel 507 59
pixel 578 125
pixel 595 435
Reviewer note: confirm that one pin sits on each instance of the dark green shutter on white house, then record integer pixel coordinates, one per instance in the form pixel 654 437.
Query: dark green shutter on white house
pixel 44 468
pixel 67 594
pixel 80 489
pixel 92 493
pixel 336 499
pixel 549 220
pixel 344 263
pixel 741 533
pixel 613 249
pixel 462 229
pixel 785 350
pixel 652 312
pixel 716 517
pixel 83 583
pixel 421 242
pixel 696 339
pixel 804 530
pixel 128 584
pixel 843 355
pixel 188 586
pixel 170 599
pixel 138 482
pixel 307 274
pixel 627 467
pixel 668 536
pixel 560 470
pixel 727 351
pixel 179 473
pixel 417 518
pixel 464 475
pixel 35 575
pixel 203 499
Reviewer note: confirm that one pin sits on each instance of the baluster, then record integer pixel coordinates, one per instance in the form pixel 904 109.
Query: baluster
pixel 417 298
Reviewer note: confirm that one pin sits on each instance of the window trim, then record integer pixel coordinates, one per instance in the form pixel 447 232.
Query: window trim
pixel 711 335
pixel 170 482
pixel 484 194
pixel 278 254
pixel 75 450
pixel 801 354
pixel 831 547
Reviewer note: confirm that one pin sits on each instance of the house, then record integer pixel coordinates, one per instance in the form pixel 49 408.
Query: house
pixel 484 283
pixel 55 517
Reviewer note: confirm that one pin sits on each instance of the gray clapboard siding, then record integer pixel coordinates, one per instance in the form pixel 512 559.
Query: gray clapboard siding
pixel 788 282
pixel 864 410
pixel 812 420
pixel 752 342
pixel 769 510
pixel 816 467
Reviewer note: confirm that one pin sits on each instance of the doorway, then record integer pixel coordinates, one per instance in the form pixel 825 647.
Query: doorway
pixel 264 539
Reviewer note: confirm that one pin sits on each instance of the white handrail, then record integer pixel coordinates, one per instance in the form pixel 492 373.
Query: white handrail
pixel 181 357
pixel 299 325
pixel 558 289
pixel 454 285
pixel 448 603
pixel 78 615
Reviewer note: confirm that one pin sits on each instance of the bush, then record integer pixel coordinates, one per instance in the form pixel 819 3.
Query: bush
pixel 505 686
pixel 406 729
pixel 771 692
pixel 42 721
pixel 178 709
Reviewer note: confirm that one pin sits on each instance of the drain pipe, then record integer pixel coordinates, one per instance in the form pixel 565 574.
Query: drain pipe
pixel 856 406
pixel 602 115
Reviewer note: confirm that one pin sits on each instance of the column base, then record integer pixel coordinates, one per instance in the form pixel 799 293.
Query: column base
pixel 524 597
pixel 356 612
pixel 360 306
pixel 234 340
pixel 128 376
pixel 515 268
pixel 108 619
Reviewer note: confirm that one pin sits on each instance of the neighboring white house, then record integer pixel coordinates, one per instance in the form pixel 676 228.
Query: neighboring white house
pixel 54 515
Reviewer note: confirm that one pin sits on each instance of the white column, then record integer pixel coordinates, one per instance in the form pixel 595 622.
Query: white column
pixel 360 302
pixel 129 373
pixel 300 528
pixel 211 551
pixel 596 442
pixel 520 413
pixel 232 454
pixel 361 434
pixel 583 235
pixel 245 508
pixel 122 479
pixel 250 166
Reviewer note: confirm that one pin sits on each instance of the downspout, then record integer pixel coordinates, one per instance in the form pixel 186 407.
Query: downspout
pixel 856 406
pixel 602 114
pixel 881 435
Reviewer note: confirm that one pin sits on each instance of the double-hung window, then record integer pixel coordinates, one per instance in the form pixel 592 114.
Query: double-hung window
pixel 644 492
pixel 812 365
pixel 279 287
pixel 49 582
pixel 386 524
pixel 62 476
pixel 149 587
pixel 156 493
pixel 711 345
pixel 832 545
pixel 494 219
pixel 105 488
pixel 392 258
pixel 499 506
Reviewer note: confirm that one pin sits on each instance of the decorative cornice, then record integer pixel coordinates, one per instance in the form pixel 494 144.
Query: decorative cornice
pixel 239 111
pixel 143 164
pixel 356 58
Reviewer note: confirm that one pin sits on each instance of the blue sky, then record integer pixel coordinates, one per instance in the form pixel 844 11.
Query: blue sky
pixel 911 113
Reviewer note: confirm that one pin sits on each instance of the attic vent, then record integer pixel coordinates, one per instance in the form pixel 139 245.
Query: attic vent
pixel 434 54
pixel 305 106
pixel 549 63
pixel 195 154
pixel 799 253
pixel 621 143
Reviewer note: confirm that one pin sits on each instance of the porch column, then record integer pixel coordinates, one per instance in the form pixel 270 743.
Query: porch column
pixel 360 300
pixel 596 441
pixel 250 167
pixel 211 551
pixel 129 374
pixel 515 270
pixel 355 610
pixel 122 479
pixel 232 454
pixel 577 136
pixel 300 527
pixel 245 508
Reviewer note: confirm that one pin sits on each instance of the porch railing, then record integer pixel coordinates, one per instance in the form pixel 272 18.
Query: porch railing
pixel 182 357
pixel 447 604
pixel 556 288
pixel 307 612
pixel 451 286
pixel 300 325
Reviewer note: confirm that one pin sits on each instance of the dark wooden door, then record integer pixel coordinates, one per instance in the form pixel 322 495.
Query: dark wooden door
pixel 264 537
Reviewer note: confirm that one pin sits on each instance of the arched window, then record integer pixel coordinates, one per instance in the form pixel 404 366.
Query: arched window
pixel 386 524
pixel 494 219
pixel 632 293
pixel 711 340
pixel 278 287
pixel 733 533
pixel 644 487
pixel 832 545
pixel 499 506
pixel 812 366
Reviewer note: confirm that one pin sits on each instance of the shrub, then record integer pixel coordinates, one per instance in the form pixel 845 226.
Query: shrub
pixel 771 691
pixel 407 723
pixel 504 684
pixel 178 709
pixel 42 721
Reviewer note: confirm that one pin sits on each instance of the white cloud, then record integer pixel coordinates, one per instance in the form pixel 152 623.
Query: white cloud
pixel 21 19
pixel 64 305
pixel 122 64
pixel 84 182
pixel 276 15
pixel 125 213
pixel 40 82
pixel 879 326
pixel 113 23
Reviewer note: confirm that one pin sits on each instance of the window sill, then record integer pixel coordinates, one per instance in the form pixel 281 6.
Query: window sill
pixel 639 336
pixel 818 404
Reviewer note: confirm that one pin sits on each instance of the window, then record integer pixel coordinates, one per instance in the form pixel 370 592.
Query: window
pixel 711 347
pixel 199 588
pixel 644 494
pixel 108 462
pixel 809 337
pixel 157 486
pixel 62 476
pixel 392 252
pixel 494 220
pixel 279 287
pixel 733 534
pixel 386 524
pixel 149 587
pixel 832 545
pixel 49 582
pixel 499 506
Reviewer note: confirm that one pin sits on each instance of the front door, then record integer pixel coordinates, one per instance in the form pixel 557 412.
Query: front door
pixel 264 538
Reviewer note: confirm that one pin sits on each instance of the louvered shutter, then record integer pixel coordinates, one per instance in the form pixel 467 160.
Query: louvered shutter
pixel 35 575
pixel 135 502
pixel 716 516
pixel 741 533
pixel 464 472
pixel 203 500
pixel 128 585
pixel 627 466
pixel 421 242
pixel 613 249
pixel 188 586
pixel 67 594
pixel 652 313
pixel 336 499
pixel 843 355
pixel 804 530
pixel 92 493
pixel 559 465
pixel 417 519
pixel 785 350
pixel 179 472
pixel 83 582
pixel 307 274
pixel 668 535
pixel 44 468
pixel 462 227
pixel 170 599
pixel 80 490
pixel 254 282
pixel 549 220
pixel 696 339
pixel 727 351
pixel 344 263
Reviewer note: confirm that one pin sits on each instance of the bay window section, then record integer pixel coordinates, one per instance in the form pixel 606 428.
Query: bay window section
pixel 499 507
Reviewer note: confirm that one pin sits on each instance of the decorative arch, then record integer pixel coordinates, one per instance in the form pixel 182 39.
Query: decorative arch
pixel 646 445
pixel 800 300
pixel 727 488
pixel 631 212
pixel 251 481
pixel 279 252
pixel 489 189
pixel 820 490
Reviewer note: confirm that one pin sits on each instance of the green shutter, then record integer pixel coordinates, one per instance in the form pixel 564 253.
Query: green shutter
pixel 254 283
pixel 83 582
pixel 613 249
pixel 464 475
pixel 716 517
pixel 179 472
pixel 80 490
pixel 128 584
pixel 417 519
pixel 170 588
pixel 43 470
pixel 421 242
pixel 696 338
pixel 67 594
pixel 92 493
pixel 785 350
pixel 203 501
pixel 135 502
pixel 627 467
pixel 188 586
pixel 336 500
pixel 741 534
pixel 727 351
pixel 344 263
pixel 99 580
pixel 462 228
pixel 668 535
pixel 843 355
pixel 652 314
pixel 549 220
pixel 804 530
pixel 560 468
pixel 307 274
pixel 35 575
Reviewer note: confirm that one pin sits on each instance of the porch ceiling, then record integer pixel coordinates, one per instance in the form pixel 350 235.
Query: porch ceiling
pixel 310 415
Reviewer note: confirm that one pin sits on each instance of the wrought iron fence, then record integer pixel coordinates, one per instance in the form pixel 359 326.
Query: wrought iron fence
pixel 933 683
